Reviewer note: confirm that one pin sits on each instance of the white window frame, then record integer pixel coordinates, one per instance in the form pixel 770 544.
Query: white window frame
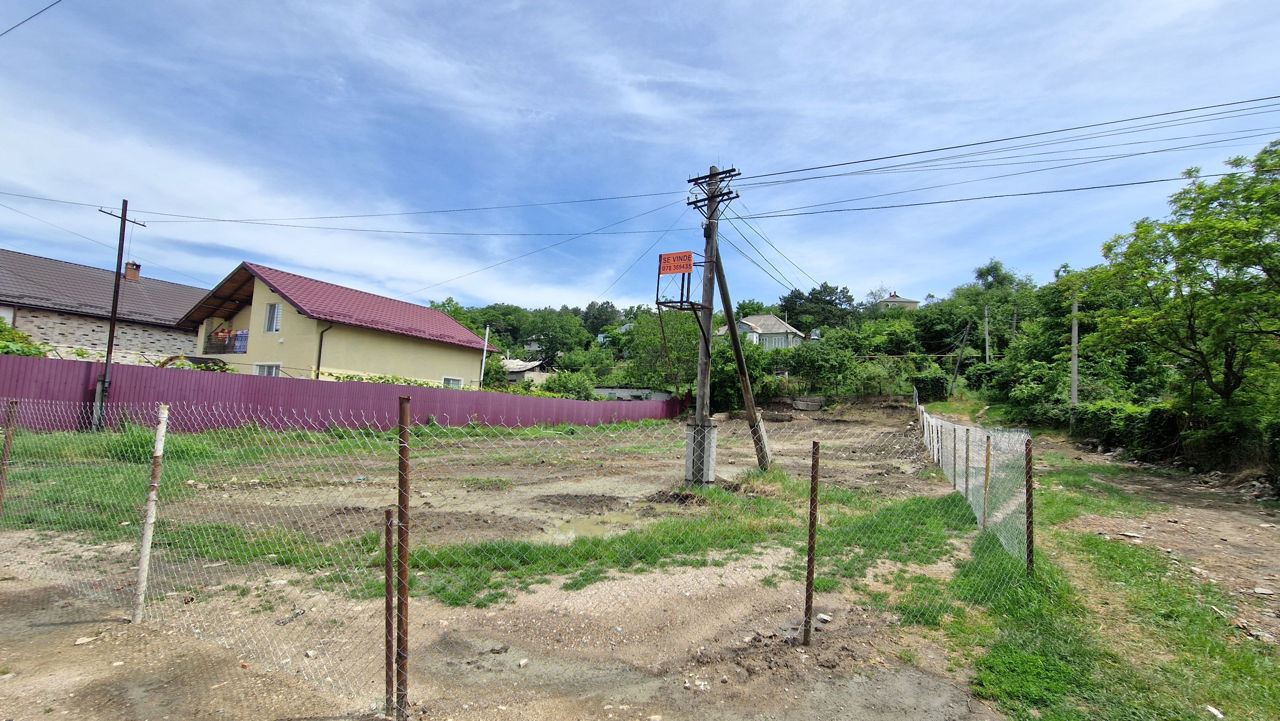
pixel 445 382
pixel 272 323
pixel 258 369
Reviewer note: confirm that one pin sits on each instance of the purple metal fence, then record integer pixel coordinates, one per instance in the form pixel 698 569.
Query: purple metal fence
pixel 50 379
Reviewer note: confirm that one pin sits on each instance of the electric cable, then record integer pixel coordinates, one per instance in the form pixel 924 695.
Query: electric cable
pixel 985 197
pixel 1012 137
pixel 540 249
pixel 29 18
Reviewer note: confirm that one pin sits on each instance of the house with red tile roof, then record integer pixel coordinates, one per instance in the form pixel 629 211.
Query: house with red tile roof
pixel 274 323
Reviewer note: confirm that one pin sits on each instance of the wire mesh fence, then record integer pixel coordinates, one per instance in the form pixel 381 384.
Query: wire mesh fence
pixel 990 467
pixel 574 540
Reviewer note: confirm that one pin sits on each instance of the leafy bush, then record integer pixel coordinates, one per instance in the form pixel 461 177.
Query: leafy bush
pixel 931 385
pixel 581 386
pixel 980 375
pixel 15 342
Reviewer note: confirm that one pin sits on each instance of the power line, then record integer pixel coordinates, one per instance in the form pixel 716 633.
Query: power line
pixel 784 214
pixel 737 216
pixel 643 253
pixel 52 200
pixel 31 17
pixel 267 221
pixel 539 250
pixel 762 255
pixel 990 177
pixel 753 262
pixel 1009 138
pixel 103 244
pixel 931 162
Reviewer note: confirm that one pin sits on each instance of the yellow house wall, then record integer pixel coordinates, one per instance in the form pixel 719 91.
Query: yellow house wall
pixel 359 350
pixel 293 346
pixel 347 349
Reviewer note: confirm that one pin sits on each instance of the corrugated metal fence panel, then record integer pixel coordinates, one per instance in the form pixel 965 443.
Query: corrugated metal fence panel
pixel 355 403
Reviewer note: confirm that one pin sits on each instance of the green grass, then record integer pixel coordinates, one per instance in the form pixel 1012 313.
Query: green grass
pixel 486 484
pixel 1161 652
pixel 968 409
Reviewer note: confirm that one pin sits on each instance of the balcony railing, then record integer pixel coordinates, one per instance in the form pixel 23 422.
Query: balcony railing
pixel 234 342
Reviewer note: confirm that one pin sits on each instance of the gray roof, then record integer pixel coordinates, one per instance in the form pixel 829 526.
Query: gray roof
pixel 511 365
pixel 31 281
pixel 766 325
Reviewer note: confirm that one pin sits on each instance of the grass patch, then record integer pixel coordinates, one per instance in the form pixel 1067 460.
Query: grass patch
pixel 915 531
pixel 1045 656
pixel 486 484
pixel 968 409
pixel 1070 493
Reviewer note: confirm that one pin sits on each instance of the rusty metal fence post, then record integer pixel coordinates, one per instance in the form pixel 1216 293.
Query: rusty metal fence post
pixel 389 610
pixel 813 545
pixel 1031 533
pixel 149 518
pixel 10 423
pixel 402 567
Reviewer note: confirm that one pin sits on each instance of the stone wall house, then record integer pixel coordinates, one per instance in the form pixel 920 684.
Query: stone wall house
pixel 67 306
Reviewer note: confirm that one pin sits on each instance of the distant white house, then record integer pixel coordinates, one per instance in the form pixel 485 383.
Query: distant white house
pixel 767 331
pixel 896 301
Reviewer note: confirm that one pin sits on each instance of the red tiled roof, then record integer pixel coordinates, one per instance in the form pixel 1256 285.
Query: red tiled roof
pixel 339 304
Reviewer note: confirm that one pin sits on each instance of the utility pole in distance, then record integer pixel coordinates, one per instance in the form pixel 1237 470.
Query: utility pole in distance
pixel 104 381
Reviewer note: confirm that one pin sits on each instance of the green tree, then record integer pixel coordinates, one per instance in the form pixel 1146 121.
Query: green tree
pixel 599 316
pixel 556 331
pixel 454 310
pixel 1201 283
pixel 649 362
pixel 825 306
pixel 726 387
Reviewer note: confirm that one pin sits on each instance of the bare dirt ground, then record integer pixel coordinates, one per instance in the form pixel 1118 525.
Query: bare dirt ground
pixel 711 642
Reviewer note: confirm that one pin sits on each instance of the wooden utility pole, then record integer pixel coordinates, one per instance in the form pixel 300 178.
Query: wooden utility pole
pixel 701 439
pixel 986 329
pixel 1075 353
pixel 758 435
pixel 104 381
pixel 964 342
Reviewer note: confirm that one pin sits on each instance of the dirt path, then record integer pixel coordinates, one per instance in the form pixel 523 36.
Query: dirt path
pixel 64 656
pixel 489 664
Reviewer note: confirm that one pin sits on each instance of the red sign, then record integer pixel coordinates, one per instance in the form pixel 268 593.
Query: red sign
pixel 670 263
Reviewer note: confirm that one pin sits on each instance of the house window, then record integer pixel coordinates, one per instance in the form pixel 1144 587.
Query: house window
pixel 273 318
pixel 267 369
pixel 450 382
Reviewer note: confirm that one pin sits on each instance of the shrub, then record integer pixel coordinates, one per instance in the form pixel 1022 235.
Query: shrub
pixel 931 385
pixel 581 386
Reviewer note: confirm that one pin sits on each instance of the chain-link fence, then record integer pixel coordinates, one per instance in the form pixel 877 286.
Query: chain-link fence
pixel 991 468
pixel 566 540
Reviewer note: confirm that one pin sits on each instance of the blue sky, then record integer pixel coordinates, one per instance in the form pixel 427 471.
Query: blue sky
pixel 249 110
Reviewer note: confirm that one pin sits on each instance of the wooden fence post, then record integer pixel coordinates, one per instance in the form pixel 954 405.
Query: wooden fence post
pixel 10 424
pixel 149 518
pixel 1031 532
